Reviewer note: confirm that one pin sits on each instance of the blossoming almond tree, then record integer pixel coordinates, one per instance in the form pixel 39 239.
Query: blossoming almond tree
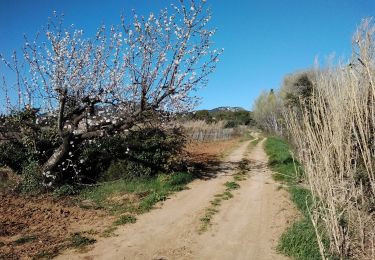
pixel 120 78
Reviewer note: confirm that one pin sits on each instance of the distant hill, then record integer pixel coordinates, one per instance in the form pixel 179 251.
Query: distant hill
pixel 231 109
pixel 234 116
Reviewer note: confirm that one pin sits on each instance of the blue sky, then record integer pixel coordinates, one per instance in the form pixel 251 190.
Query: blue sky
pixel 263 40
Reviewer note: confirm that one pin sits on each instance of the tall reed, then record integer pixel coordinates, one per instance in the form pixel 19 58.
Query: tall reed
pixel 335 140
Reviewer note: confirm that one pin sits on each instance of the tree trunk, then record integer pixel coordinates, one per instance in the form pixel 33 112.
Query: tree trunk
pixel 57 156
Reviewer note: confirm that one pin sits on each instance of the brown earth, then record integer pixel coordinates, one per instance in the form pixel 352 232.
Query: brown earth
pixel 48 222
pixel 246 227
pixel 211 149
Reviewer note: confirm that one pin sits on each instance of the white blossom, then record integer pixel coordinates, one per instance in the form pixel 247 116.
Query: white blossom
pixel 154 62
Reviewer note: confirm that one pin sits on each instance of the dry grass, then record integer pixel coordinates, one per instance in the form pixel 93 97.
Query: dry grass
pixel 335 140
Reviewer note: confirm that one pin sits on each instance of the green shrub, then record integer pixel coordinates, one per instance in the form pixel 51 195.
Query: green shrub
pixel 152 150
pixel 231 124
pixel 13 154
pixel 32 181
pixel 142 153
pixel 116 170
pixel 46 143
pixel 164 178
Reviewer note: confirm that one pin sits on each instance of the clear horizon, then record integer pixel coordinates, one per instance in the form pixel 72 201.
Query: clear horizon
pixel 262 41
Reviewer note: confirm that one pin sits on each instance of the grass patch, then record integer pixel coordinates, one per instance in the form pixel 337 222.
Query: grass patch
pixel 213 209
pixel 206 219
pixel 301 198
pixel 299 240
pixel 281 160
pixel 232 185
pixel 79 241
pixel 24 240
pixel 145 193
pixel 128 197
pixel 125 219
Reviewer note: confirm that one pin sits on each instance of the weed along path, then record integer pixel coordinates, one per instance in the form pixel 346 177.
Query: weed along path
pixel 249 213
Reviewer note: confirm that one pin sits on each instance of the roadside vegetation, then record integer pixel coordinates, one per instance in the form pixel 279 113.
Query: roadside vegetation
pixel 133 196
pixel 299 240
pixel 327 114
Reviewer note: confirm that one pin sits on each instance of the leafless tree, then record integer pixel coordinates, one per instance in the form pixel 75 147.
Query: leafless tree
pixel 267 112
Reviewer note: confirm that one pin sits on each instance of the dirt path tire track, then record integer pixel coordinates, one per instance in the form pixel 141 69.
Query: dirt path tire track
pixel 247 226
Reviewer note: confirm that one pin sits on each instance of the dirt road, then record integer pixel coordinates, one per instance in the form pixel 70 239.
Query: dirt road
pixel 246 226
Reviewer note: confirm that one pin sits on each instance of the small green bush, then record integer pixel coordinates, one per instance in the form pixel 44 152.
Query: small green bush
pixel 142 153
pixel 32 181
pixel 231 124
pixel 13 154
pixel 116 170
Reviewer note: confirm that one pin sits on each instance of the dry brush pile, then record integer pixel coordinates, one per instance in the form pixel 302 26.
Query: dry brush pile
pixel 334 136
